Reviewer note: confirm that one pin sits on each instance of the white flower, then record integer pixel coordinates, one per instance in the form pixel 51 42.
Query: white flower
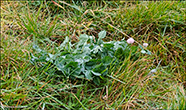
pixel 130 40
pixel 145 44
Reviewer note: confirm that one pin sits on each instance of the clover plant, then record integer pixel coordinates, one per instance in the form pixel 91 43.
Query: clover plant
pixel 85 59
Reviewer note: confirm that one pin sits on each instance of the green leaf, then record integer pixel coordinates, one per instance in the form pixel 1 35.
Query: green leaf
pixel 108 45
pixel 50 58
pixel 110 53
pixel 99 68
pixel 119 53
pixel 104 72
pixel 64 53
pixel 87 58
pixel 92 63
pixel 95 73
pixel 43 57
pixel 116 45
pixel 106 60
pixel 61 47
pixel 101 35
pixel 96 80
pixel 88 74
pixel 120 44
pixel 72 64
pixel 96 49
pixel 80 76
pixel 83 38
pixel 79 60
pixel 86 50
pixel 61 62
pixel 72 68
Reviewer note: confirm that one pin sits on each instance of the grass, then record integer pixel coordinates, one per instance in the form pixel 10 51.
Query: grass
pixel 161 24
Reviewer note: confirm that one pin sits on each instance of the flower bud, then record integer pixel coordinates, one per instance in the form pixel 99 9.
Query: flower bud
pixel 145 44
pixel 130 40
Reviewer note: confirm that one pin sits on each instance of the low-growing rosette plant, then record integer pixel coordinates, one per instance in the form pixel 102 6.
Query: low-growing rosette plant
pixel 85 59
